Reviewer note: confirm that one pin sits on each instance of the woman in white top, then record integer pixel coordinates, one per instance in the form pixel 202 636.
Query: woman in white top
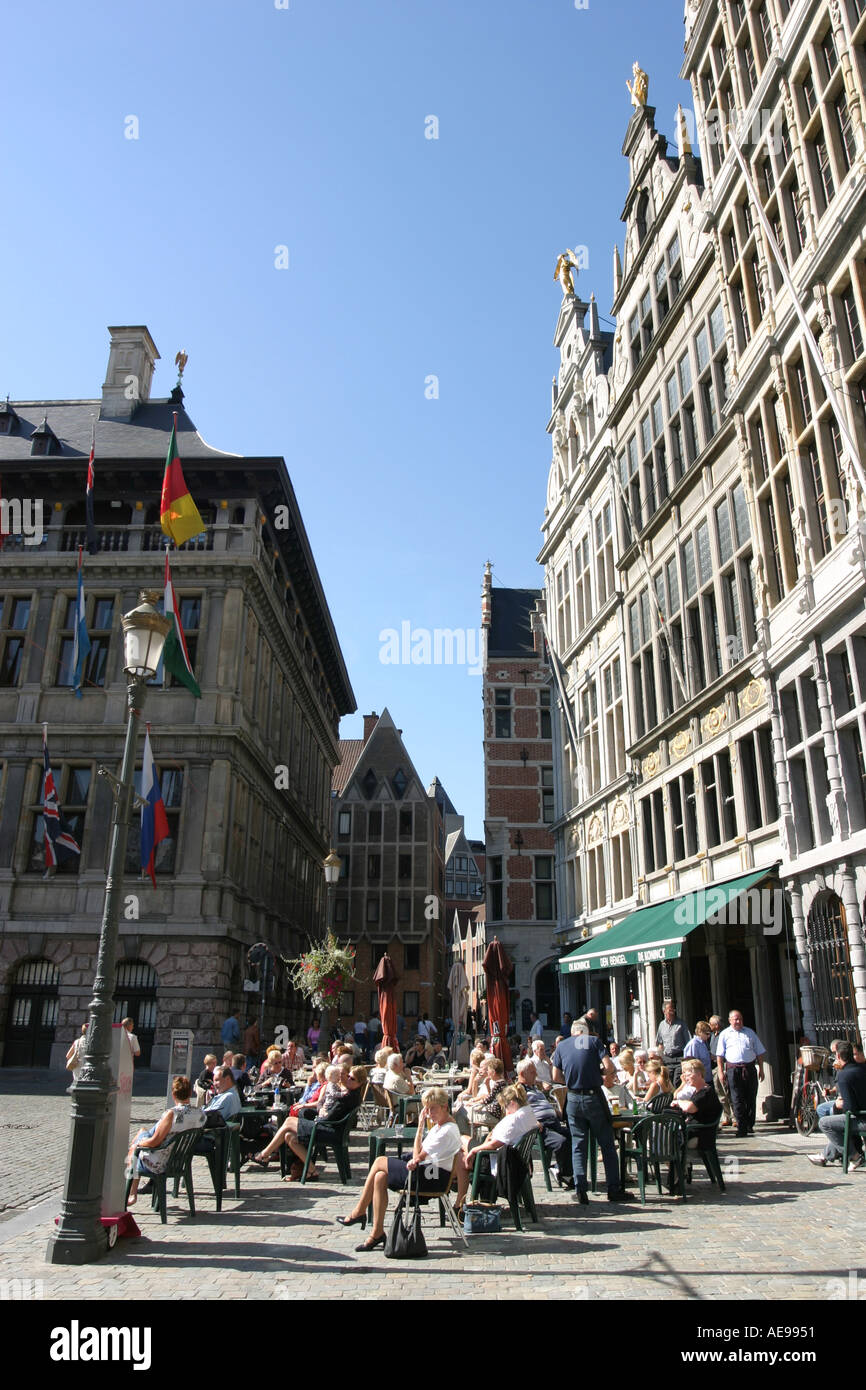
pixel 519 1119
pixel 434 1152
pixel 75 1055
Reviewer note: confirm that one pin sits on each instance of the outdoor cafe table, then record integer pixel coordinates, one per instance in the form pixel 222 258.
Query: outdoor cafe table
pixel 622 1128
pixel 390 1134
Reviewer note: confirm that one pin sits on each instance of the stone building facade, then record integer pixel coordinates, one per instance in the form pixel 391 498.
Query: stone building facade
pixel 519 796
pixel 245 771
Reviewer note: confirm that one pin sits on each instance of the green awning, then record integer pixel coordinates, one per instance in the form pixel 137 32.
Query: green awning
pixel 657 932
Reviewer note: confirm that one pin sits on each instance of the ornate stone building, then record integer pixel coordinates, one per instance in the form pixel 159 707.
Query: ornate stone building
pixel 245 771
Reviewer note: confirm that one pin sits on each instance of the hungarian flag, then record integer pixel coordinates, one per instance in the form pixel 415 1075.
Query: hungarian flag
pixel 154 821
pixel 174 654
pixel 59 844
pixel 80 639
pixel 178 514
pixel 92 537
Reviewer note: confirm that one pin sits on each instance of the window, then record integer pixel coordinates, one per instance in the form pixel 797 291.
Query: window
pixel 596 882
pixel 345 868
pixel 411 957
pixel 758 779
pixel 99 616
pixel 341 909
pixel 605 576
pixel 502 724
pixel 404 910
pixel 344 824
pixel 828 53
pixel 583 596
pixel 590 740
pixel 494 887
pixel 372 910
pixel 614 720
pixel 846 671
pixel 73 788
pixel 399 782
pixel 369 784
pixel 563 607
pixel 718 793
pixel 654 840
pixel 851 320
pixel 190 617
pixel 544 892
pixel 544 726
pixel 404 867
pixel 547 811
pixel 845 127
pixel 14 620
pixel 620 853
pixel 374 825
pixel 825 172
pixel 164 860
pixel 374 868
pixel 642 667
pixel 406 824
pixel 629 473
pixel 411 1005
pixel 684 817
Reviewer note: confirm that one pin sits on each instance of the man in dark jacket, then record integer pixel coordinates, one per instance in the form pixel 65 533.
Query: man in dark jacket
pixel 851 1095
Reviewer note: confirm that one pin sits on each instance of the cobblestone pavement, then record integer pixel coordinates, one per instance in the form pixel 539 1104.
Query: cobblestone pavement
pixel 783 1230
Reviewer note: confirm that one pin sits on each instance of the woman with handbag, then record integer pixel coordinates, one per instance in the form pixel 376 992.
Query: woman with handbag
pixel 433 1153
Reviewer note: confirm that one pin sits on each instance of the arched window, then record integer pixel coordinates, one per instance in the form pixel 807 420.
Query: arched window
pixel 32 1016
pixel 830 968
pixel 135 998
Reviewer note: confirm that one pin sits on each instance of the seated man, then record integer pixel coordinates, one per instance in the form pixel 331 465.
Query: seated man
pixel 555 1134
pixel 519 1120
pixel 225 1104
pixel 851 1095
pixel 538 1056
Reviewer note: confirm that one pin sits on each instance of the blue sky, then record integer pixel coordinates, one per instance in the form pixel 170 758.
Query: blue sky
pixel 408 258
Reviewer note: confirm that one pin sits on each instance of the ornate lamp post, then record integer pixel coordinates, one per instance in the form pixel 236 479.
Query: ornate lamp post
pixel 79 1237
pixel 332 866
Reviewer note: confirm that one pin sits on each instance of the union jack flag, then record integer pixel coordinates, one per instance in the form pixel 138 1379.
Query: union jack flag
pixel 59 844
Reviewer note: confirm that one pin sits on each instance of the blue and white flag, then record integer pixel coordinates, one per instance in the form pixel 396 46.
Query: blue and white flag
pixel 80 640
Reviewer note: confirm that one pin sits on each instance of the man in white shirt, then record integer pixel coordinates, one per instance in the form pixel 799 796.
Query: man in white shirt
pixel 536 1029
pixel 542 1066
pixel 739 1051
pixel 129 1024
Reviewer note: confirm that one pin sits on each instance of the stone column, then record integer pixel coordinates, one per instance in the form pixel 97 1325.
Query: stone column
pixel 842 40
pixel 650 1006
pixel 836 804
pixel 856 949
pixel 801 941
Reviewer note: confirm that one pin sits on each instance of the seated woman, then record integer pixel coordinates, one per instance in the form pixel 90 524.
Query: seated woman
pixel 328 1093
pixel 273 1072
pixel 312 1090
pixel 433 1152
pixel 625 1068
pixel 180 1117
pixel 700 1104
pixel 639 1083
pixel 397 1080
pixel 659 1080
pixel 333 1111
pixel 416 1055
pixel 518 1120
pixel 476 1058
pixel 488 1107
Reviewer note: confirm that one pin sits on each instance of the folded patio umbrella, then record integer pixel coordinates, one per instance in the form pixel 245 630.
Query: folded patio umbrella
pixel 385 977
pixel 497 968
pixel 458 988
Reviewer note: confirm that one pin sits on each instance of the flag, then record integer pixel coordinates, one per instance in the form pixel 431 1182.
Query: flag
pixel 80 639
pixel 178 514
pixel 154 821
pixel 175 655
pixel 3 533
pixel 92 537
pixel 59 844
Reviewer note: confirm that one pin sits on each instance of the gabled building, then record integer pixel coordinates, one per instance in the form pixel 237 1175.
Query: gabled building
pixel 245 771
pixel 389 833
pixel 519 796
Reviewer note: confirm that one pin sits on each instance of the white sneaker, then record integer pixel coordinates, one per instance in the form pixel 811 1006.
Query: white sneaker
pixel 819 1160
pixel 856 1162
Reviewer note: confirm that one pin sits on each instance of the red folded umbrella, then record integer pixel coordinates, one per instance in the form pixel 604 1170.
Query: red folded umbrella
pixel 385 978
pixel 497 968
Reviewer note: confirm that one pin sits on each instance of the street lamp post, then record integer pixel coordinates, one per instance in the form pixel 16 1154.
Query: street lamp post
pixel 79 1236
pixel 332 866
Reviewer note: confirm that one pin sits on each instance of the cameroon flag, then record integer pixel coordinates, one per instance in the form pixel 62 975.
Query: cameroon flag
pixel 178 513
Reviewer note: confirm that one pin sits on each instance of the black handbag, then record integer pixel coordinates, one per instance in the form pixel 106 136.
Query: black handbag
pixel 405 1240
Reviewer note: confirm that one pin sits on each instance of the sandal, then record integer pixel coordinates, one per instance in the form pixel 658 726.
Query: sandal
pixel 260 1162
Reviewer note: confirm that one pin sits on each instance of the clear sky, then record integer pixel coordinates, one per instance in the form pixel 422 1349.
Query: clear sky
pixel 408 258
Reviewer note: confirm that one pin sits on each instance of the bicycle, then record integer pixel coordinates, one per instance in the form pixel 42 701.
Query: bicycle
pixel 808 1092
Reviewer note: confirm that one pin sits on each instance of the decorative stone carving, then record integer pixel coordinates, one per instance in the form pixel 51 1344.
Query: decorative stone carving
pixel 713 720
pixel 584 658
pixel 602 399
pixel 754 695
pixel 650 764
pixel 680 743
pixel 594 831
pixel 608 633
pixel 619 815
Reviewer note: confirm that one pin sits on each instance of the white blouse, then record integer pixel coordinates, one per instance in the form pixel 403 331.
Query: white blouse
pixel 440 1144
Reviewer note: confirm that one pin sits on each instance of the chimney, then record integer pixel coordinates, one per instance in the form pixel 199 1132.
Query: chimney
pixel 370 722
pixel 131 360
pixel 487 596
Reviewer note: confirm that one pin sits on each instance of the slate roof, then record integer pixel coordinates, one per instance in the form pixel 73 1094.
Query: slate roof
pixel 145 436
pixel 510 632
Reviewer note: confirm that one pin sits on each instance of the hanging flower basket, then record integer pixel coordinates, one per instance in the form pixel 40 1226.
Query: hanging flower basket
pixel 322 973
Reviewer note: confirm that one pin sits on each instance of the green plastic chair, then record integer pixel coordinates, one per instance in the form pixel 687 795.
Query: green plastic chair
pixel 855 1122
pixel 225 1158
pixel 659 1140
pixel 709 1156
pixel 319 1147
pixel 179 1166
pixel 525 1197
pixel 544 1155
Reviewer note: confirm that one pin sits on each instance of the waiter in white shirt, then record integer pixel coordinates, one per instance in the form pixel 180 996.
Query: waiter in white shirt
pixel 740 1060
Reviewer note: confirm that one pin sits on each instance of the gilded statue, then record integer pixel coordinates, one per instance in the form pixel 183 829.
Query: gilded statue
pixel 564 266
pixel 640 90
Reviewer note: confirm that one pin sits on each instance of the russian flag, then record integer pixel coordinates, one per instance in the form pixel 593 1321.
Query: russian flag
pixel 80 639
pixel 154 821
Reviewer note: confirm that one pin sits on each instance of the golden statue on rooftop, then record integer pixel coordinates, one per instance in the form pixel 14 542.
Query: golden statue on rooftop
pixel 567 262
pixel 639 91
